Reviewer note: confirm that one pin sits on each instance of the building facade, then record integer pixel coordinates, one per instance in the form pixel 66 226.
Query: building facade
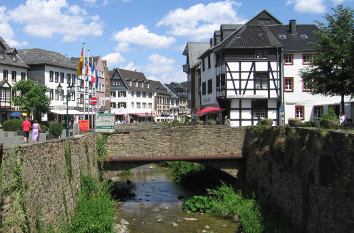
pixel 162 102
pixel 131 96
pixel 178 90
pixel 12 70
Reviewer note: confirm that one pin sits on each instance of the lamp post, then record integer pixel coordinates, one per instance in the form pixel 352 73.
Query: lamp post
pixel 69 91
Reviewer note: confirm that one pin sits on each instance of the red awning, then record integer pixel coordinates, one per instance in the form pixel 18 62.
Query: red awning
pixel 146 114
pixel 209 110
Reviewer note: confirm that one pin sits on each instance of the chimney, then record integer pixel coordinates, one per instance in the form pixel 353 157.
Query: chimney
pixel 292 26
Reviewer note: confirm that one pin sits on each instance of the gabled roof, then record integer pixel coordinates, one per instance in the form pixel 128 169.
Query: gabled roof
pixel 303 40
pixel 134 76
pixel 263 18
pixel 193 50
pixel 251 36
pixel 45 57
pixel 2 82
pixel 177 89
pixel 158 87
pixel 8 53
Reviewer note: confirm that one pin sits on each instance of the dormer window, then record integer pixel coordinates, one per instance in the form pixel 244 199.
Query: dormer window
pixel 137 84
pixel 14 58
pixel 142 84
pixel 282 36
pixel 148 85
pixel 130 83
pixel 303 36
pixel 2 54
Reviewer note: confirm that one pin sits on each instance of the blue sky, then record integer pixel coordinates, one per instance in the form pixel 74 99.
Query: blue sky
pixel 146 35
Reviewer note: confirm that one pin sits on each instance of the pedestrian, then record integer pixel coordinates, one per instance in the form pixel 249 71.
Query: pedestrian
pixel 342 119
pixel 36 130
pixel 26 127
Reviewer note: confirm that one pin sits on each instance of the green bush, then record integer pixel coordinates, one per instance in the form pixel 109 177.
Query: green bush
pixel 330 115
pixel 12 125
pixel 181 168
pixel 295 122
pixel 309 124
pixel 329 124
pixel 44 128
pixel 95 210
pixel 266 122
pixel 211 122
pixel 224 201
pixel 55 128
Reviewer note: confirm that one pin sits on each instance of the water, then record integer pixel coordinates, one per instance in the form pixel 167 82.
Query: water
pixel 156 206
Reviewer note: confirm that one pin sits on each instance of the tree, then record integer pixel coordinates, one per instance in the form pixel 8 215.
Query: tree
pixel 31 97
pixel 332 72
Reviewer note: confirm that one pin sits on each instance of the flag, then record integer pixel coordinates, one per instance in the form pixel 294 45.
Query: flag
pixel 81 63
pixel 96 79
pixel 93 73
pixel 87 67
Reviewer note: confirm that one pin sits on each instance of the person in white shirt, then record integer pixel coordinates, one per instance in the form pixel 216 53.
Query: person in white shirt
pixel 342 119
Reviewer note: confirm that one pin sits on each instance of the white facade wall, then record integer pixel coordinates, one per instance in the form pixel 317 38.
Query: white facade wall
pixel 60 104
pixel 132 98
pixel 18 71
pixel 300 97
pixel 209 99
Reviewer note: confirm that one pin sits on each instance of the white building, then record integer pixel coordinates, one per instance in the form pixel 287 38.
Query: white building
pixel 12 70
pixel 51 69
pixel 131 96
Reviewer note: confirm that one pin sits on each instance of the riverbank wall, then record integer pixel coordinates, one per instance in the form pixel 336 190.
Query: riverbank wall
pixel 307 175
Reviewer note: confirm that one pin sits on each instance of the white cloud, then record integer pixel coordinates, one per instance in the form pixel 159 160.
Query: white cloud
pixel 45 18
pixel 308 6
pixel 122 47
pixel 141 35
pixel 200 21
pixel 337 2
pixel 164 69
pixel 130 66
pixel 6 30
pixel 113 59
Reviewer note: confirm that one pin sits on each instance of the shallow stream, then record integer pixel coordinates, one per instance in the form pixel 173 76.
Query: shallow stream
pixel 154 205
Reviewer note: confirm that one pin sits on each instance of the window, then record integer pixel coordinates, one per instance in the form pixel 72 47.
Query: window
pixel 2 94
pixel 261 80
pixel 148 85
pixel 150 95
pixel 51 76
pixel 68 79
pixel 305 87
pixel 2 54
pixel 304 36
pixel 73 96
pixel 62 95
pixel 144 94
pixel 132 104
pixel 14 58
pixel 122 105
pixel 51 94
pixel 5 74
pixel 142 84
pixel 306 59
pixel 288 59
pixel 132 93
pixel 203 88
pixel 13 76
pixel 261 54
pixel 289 84
pixel 144 105
pixel 73 79
pixel 23 75
pixel 282 36
pixel 318 111
pixel 61 77
pixel 210 86
pixel 203 64
pixel 113 105
pixel 138 94
pixel 122 94
pixel 259 109
pixel 150 105
pixel 56 94
pixel 209 65
pixel 299 112
pixel 138 104
pixel 113 94
pixel 56 77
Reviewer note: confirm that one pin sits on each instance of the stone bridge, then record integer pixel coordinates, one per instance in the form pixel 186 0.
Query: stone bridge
pixel 217 146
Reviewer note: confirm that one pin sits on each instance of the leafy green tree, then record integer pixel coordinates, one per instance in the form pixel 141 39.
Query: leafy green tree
pixel 332 72
pixel 31 97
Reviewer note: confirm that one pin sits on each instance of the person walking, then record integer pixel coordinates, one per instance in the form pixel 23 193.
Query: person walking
pixel 342 119
pixel 36 129
pixel 26 127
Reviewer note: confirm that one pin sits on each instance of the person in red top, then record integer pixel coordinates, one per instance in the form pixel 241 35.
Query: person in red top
pixel 26 127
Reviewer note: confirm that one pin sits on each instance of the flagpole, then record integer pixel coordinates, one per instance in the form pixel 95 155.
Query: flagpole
pixel 91 116
pixel 83 78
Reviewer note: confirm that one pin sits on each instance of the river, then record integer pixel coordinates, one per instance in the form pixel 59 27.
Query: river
pixel 153 204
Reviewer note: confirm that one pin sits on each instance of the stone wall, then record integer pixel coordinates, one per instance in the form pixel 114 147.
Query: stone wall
pixel 176 143
pixel 49 193
pixel 306 174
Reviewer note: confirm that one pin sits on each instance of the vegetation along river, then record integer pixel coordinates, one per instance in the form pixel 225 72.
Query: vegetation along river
pixel 151 202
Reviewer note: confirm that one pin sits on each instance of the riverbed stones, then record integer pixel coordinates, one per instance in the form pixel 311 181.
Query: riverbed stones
pixel 124 222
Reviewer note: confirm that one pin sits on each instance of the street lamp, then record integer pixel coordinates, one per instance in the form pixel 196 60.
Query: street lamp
pixel 69 91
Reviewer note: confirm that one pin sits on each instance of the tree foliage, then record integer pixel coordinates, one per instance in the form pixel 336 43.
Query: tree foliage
pixel 332 72
pixel 31 97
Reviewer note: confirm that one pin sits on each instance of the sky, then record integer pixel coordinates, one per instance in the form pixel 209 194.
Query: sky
pixel 144 35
